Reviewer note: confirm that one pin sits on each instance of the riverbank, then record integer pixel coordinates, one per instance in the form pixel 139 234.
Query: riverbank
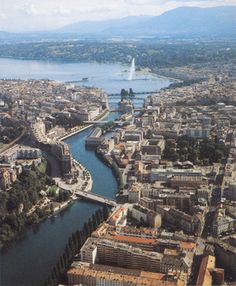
pixel 110 163
pixel 85 183
pixel 73 132
pixel 52 207
pixel 88 180
pixel 62 207
pixel 79 129
pixel 102 115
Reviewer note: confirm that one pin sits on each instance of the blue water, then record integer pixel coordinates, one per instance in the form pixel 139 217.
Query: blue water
pixel 98 170
pixel 110 77
pixel 28 261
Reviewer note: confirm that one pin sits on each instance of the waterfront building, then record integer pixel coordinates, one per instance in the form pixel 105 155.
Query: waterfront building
pixel 119 216
pixel 95 139
pixel 103 275
pixel 109 252
pixel 88 115
pixel 62 152
pixel 145 232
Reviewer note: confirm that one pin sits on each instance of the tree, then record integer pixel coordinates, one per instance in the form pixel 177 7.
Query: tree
pixel 183 144
pixel 102 214
pixel 131 93
pixel 170 153
pixel 12 203
pixel 124 93
pixel 65 259
pixel 99 215
pixel 90 225
pixel 75 242
pixel 86 229
pixel 62 264
pixel 82 237
pixel 105 212
pixel 170 143
pixel 193 156
pixel 72 246
pixel 12 220
pixel 94 221
pixel 68 252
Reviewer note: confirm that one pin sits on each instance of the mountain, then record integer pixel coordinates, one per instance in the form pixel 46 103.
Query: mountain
pixel 184 22
pixel 216 21
pixel 94 27
pixel 192 20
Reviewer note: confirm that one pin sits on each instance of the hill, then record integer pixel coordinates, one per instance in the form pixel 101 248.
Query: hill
pixel 183 22
pixel 215 21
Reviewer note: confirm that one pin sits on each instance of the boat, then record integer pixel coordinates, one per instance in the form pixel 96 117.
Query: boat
pixel 85 79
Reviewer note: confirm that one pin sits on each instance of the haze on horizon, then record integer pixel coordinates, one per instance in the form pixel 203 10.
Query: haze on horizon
pixel 35 15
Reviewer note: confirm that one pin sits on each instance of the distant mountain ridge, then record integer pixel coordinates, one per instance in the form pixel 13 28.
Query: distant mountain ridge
pixel 91 27
pixel 184 20
pixel 180 22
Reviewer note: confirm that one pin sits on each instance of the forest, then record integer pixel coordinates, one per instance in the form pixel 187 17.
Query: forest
pixel 203 152
pixel 16 202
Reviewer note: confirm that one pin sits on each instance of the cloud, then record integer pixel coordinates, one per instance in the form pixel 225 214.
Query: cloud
pixel 19 15
pixel 3 17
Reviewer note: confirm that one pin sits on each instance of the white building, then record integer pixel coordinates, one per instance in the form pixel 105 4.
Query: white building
pixel 134 193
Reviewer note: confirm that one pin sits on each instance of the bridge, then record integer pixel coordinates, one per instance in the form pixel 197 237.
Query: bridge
pixel 95 122
pixel 133 95
pixel 118 110
pixel 95 198
pixel 128 97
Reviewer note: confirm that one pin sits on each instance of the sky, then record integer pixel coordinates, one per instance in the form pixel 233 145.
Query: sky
pixel 33 15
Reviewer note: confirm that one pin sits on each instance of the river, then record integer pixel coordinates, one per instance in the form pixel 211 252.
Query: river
pixel 28 261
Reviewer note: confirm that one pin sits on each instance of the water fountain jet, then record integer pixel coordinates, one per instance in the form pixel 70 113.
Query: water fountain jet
pixel 132 70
